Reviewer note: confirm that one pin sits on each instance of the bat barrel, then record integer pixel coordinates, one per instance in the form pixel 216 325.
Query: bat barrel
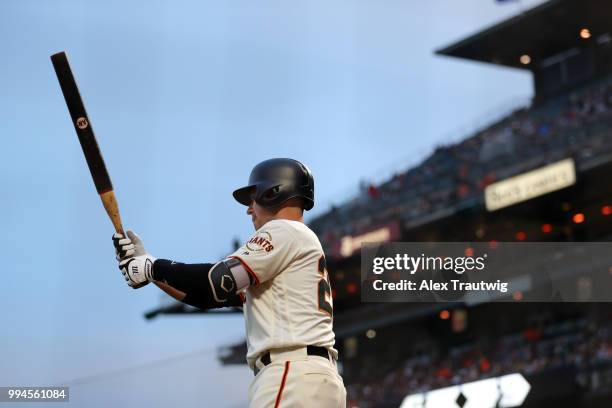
pixel 81 123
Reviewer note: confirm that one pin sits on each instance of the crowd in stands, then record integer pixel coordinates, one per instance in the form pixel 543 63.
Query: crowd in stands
pixel 575 125
pixel 578 344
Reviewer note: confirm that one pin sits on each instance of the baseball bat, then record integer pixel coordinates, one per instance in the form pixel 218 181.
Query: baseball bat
pixel 88 141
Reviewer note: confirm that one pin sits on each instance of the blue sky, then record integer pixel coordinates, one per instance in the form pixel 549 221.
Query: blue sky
pixel 185 97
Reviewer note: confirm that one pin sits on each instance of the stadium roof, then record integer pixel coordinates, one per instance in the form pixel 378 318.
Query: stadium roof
pixel 547 30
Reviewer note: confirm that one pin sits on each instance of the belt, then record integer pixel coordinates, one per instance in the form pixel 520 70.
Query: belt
pixel 310 350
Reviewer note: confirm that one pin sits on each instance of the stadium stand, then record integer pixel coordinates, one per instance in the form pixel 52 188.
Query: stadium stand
pixel 576 125
pixel 582 345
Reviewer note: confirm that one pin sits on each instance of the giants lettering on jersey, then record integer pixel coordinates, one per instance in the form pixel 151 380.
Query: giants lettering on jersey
pixel 260 242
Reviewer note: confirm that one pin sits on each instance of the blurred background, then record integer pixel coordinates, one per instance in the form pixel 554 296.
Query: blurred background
pixel 406 111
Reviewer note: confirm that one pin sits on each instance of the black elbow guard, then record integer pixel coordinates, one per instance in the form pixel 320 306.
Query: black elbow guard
pixel 223 281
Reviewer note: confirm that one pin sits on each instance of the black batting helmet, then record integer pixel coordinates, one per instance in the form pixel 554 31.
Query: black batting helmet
pixel 276 181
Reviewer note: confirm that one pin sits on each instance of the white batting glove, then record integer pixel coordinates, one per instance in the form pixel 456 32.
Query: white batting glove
pixel 135 263
pixel 124 248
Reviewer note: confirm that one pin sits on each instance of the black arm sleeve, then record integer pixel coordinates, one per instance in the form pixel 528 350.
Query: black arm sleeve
pixel 193 280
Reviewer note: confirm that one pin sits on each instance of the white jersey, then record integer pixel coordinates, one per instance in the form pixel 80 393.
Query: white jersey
pixel 289 302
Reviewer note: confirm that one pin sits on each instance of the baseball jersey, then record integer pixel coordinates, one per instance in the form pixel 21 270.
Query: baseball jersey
pixel 290 303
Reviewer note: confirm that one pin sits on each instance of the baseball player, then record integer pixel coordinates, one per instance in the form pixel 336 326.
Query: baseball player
pixel 280 279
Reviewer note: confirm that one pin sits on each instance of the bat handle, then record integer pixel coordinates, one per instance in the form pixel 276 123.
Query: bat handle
pixel 112 209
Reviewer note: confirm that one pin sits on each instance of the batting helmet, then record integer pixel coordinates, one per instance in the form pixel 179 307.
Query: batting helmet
pixel 276 181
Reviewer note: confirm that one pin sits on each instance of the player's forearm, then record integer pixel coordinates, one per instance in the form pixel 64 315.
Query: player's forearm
pixel 205 286
pixel 183 278
pixel 175 293
pixel 191 284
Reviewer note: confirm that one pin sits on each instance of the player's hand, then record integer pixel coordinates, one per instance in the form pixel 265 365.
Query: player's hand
pixel 127 247
pixel 138 270
pixel 135 263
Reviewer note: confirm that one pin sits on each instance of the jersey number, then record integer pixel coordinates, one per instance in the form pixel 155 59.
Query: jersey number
pixel 324 289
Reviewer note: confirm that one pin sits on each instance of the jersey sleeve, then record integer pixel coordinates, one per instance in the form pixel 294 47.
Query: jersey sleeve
pixel 268 252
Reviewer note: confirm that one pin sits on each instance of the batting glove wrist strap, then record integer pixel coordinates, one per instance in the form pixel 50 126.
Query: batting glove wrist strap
pixel 137 270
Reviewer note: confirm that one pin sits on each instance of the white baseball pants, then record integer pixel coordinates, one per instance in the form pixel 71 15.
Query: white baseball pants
pixel 294 379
